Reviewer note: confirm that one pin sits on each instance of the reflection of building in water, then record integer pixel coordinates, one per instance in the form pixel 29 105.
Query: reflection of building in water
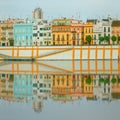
pixel 61 88
pixel 77 90
pixel 87 85
pixel 6 86
pixel 116 87
pixel 102 87
pixel 38 104
pixel 66 87
pixel 23 86
pixel 42 89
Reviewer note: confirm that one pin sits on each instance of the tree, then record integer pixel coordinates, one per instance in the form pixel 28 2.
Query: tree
pixel 88 81
pixel 101 80
pixel 101 39
pixel 114 38
pixel 113 80
pixel 119 39
pixel 118 80
pixel 107 38
pixel 106 81
pixel 88 39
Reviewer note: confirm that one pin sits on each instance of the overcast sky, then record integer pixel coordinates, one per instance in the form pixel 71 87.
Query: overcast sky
pixel 61 8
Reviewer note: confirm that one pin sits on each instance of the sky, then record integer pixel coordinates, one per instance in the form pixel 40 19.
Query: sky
pixel 82 9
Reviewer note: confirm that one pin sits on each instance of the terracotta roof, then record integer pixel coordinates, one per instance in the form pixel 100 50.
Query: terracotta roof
pixel 116 23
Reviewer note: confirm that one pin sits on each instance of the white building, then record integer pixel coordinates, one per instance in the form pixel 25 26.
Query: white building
pixel 37 13
pixel 42 33
pixel 101 90
pixel 102 28
pixel 42 85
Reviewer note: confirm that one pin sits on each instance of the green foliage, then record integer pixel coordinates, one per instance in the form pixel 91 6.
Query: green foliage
pixel 114 38
pixel 118 80
pixel 101 80
pixel 107 38
pixel 113 80
pixel 101 39
pixel 88 38
pixel 88 81
pixel 106 81
pixel 118 38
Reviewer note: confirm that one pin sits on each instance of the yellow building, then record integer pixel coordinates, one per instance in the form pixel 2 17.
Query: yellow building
pixel 61 87
pixel 6 33
pixel 87 86
pixel 6 86
pixel 88 31
pixel 67 32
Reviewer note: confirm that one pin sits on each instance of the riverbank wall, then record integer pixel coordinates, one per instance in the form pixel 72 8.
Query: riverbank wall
pixel 61 53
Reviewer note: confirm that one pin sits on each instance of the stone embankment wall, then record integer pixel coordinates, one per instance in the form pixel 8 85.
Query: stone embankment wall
pixel 61 52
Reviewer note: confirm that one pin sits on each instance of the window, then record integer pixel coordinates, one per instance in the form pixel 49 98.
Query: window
pixel 41 34
pixel 53 37
pixel 95 37
pixel 99 35
pixel 63 38
pixel 78 36
pixel 26 37
pixel 34 34
pixel 67 37
pixel 44 34
pixel 58 38
pixel 41 85
pixel 108 29
pixel 104 29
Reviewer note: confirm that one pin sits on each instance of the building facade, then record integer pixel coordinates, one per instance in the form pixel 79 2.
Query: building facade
pixel 23 34
pixel 23 86
pixel 116 29
pixel 42 33
pixel 87 31
pixel 6 33
pixel 66 32
pixel 37 13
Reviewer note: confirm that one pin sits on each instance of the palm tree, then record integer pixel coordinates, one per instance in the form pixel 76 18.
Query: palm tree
pixel 101 39
pixel 107 38
pixel 88 39
pixel 114 38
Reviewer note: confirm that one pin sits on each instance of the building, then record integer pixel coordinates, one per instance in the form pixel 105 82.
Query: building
pixel 23 86
pixel 6 86
pixel 116 28
pixel 87 31
pixel 42 84
pixel 62 87
pixel 116 88
pixel 87 86
pixel 37 13
pixel 102 90
pixel 23 34
pixel 42 33
pixel 42 89
pixel 66 32
pixel 106 28
pixel 6 33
